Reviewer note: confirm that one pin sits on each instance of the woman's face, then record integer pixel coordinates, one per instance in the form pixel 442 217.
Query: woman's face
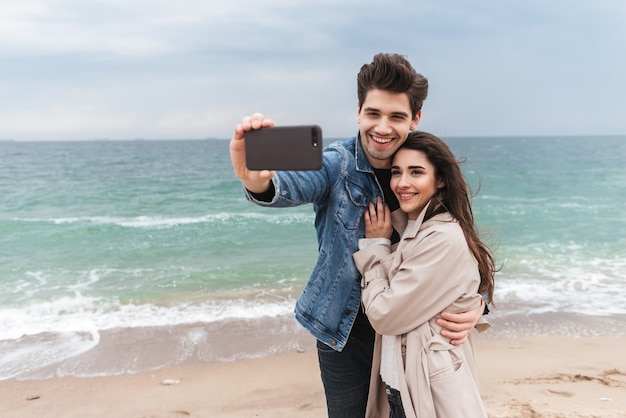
pixel 413 181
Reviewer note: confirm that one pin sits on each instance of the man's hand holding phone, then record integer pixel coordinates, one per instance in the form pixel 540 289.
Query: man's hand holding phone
pixel 256 181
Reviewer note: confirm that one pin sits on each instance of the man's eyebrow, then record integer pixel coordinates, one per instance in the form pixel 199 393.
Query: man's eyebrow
pixel 373 109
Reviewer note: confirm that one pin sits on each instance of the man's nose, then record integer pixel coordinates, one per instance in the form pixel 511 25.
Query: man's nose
pixel 384 127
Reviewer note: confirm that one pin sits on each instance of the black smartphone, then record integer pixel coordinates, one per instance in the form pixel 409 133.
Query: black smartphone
pixel 293 148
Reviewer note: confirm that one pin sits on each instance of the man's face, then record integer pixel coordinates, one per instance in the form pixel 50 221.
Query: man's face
pixel 385 121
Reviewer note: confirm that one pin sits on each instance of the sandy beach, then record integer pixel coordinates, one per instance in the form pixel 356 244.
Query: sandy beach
pixel 546 376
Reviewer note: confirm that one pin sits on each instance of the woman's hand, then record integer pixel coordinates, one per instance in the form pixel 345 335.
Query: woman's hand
pixel 378 220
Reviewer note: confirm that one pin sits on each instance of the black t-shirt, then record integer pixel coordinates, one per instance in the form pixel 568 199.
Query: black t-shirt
pixel 384 176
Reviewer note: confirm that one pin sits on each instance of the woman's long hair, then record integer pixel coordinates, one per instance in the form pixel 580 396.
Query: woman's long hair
pixel 454 198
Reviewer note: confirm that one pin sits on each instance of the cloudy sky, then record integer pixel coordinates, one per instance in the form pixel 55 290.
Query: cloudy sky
pixel 164 69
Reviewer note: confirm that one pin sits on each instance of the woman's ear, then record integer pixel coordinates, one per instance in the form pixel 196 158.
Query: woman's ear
pixel 441 183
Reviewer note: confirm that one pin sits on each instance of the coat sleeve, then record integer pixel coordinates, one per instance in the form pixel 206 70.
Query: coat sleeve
pixel 433 273
pixel 370 260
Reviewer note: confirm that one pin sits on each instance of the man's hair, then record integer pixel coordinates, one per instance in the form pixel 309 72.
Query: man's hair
pixel 392 72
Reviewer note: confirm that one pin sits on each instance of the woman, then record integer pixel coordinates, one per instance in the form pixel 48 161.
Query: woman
pixel 440 264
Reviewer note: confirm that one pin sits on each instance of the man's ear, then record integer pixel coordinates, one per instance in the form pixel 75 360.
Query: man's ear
pixel 416 120
pixel 358 113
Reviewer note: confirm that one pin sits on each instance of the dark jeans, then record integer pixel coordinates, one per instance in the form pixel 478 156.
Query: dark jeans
pixel 396 410
pixel 346 374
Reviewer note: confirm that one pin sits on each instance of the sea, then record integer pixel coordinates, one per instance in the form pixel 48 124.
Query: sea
pixel 124 256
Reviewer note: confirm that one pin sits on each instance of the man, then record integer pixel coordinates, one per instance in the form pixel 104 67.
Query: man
pixel 354 173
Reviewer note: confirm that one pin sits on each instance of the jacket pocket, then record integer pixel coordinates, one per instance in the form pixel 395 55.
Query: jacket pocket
pixel 453 388
pixel 351 210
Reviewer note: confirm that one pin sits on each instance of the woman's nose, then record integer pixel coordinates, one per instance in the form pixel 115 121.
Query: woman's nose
pixel 403 180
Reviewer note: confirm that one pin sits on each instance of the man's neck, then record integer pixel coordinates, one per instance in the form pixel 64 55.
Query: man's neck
pixel 380 164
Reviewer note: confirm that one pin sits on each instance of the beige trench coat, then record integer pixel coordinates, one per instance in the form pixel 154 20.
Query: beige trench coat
pixel 432 270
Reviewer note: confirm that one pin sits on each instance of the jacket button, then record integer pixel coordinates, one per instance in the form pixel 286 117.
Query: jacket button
pixel 347 312
pixel 333 342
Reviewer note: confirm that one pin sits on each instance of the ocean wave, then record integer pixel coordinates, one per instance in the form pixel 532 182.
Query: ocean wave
pixel 40 351
pixel 86 314
pixel 147 222
pixel 594 289
pixel 47 339
pixel 554 201
pixel 570 290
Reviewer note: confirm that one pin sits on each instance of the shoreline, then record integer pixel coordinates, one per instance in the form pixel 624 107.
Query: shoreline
pixel 549 376
pixel 135 350
pixel 550 365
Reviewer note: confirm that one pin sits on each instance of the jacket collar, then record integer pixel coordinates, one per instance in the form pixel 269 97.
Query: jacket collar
pixel 362 163
pixel 412 230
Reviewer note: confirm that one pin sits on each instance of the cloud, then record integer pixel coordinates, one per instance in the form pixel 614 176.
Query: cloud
pixel 94 27
pixel 79 69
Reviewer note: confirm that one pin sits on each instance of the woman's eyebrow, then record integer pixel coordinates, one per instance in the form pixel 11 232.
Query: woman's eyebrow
pixel 410 167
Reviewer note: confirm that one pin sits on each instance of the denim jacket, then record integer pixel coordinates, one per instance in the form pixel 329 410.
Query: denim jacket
pixel 340 193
